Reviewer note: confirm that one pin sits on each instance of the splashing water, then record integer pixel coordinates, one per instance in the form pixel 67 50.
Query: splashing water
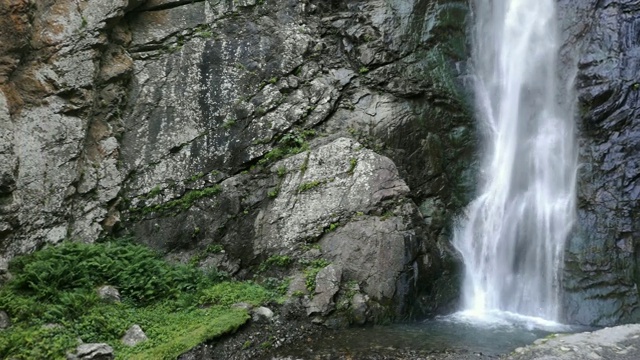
pixel 512 237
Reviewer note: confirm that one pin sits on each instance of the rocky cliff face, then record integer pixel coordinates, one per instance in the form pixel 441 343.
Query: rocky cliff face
pixel 322 132
pixel 315 130
pixel 602 259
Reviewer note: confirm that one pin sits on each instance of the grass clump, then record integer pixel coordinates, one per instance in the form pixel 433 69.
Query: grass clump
pixel 353 162
pixel 332 227
pixel 183 203
pixel 306 186
pixel 312 271
pixel 290 144
pixel 309 185
pixel 281 261
pixel 178 306
pixel 273 193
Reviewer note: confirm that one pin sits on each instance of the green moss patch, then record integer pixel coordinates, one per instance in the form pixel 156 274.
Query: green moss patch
pixel 52 302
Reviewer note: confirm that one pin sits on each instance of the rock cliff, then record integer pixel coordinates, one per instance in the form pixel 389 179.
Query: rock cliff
pixel 313 131
pixel 322 131
pixel 602 263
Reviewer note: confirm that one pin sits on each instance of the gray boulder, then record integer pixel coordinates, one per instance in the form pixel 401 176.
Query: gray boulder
pixel 261 314
pixel 5 321
pixel 109 293
pixel 327 286
pixel 95 351
pixel 359 309
pixel 615 343
pixel 322 187
pixel 134 336
pixel 374 251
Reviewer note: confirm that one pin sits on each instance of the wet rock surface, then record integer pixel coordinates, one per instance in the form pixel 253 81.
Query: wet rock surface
pixel 601 271
pixel 617 343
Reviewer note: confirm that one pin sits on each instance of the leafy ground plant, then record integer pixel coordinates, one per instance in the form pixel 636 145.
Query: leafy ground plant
pixel 52 302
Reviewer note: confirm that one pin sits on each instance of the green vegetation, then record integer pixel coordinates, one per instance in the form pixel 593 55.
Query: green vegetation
pixel 205 34
pixel 201 255
pixel 332 227
pixel 273 193
pixel 182 203
pixel 228 124
pixel 281 261
pixel 312 271
pixel 305 164
pixel 387 214
pixel 282 171
pixel 353 162
pixel 195 177
pixel 308 247
pixel 178 306
pixel 154 192
pixel 309 185
pixel 306 186
pixel 290 144
pixel 364 70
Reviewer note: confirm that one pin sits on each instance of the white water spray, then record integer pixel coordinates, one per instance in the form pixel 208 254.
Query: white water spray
pixel 512 238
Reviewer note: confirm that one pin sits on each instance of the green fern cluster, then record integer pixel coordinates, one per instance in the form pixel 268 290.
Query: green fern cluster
pixel 57 285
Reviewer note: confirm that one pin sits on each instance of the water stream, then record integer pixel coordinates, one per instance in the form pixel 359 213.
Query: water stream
pixel 512 237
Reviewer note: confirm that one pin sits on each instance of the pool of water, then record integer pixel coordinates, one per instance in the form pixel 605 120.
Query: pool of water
pixel 490 334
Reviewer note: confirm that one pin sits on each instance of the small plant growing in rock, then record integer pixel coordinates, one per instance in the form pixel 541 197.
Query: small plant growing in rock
pixel 312 271
pixel 305 165
pixel 353 162
pixel 195 177
pixel 281 171
pixel 332 227
pixel 364 70
pixel 292 143
pixel 308 185
pixel 312 184
pixel 229 123
pixel 154 192
pixel 273 193
pixel 387 214
pixel 281 261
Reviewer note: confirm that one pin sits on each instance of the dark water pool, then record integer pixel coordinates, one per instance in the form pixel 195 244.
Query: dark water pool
pixel 492 335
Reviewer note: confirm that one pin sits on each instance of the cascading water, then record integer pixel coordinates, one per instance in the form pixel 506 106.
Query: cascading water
pixel 512 238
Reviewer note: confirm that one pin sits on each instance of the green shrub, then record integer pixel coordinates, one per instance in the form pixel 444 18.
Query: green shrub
pixel 178 306
pixel 229 293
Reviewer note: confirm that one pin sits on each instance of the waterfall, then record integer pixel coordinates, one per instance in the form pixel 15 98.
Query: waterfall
pixel 512 235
